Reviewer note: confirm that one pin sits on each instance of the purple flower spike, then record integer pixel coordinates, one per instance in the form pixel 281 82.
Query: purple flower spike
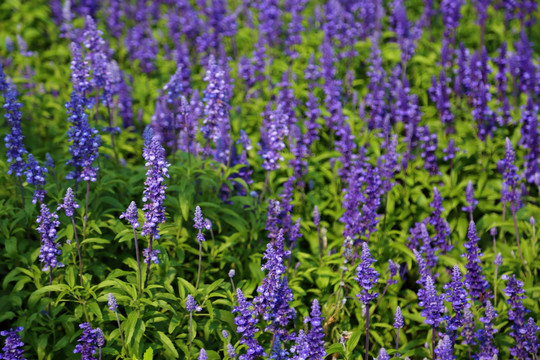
pixel 273 133
pixel 383 355
pixel 203 355
pixel 510 192
pixel 14 139
pixel 432 303
pixel 154 187
pixel 469 196
pixel 315 336
pixel 393 268
pixel 13 345
pixel 69 204
pixel 458 297
pixel 475 281
pixel 366 276
pixel 445 349
pixel 487 348
pixel 131 215
pixel 199 224
pixel 516 314
pixel 316 216
pixel 151 255
pixel 113 306
pixel 88 342
pixel 442 228
pixel 191 305
pixel 50 249
pixel 398 319
pixel 246 326
pixel 35 175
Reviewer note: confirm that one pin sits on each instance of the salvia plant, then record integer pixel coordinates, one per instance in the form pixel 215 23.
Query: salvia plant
pixel 289 180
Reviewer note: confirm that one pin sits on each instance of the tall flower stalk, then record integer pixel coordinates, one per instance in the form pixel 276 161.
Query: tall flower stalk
pixel 153 195
pixel 199 225
pixel 69 205
pixel 367 277
pixel 132 217
pixel 113 306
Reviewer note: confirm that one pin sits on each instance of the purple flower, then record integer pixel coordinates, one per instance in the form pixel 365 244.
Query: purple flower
pixel 522 66
pixel 389 166
pixel 113 306
pixel 445 349
pixel 191 305
pixel 366 276
pixel 246 325
pixel 532 343
pixel 272 218
pixel 315 336
pixel 501 79
pixel 98 56
pixel 13 345
pixel 431 302
pixel 481 95
pixel 383 355
pixel 485 335
pixel 231 352
pixel 199 224
pixel 510 191
pixel 154 187
pixel 469 328
pixel 85 139
pixel 151 255
pixel 50 248
pixel 442 228
pixel 14 139
pixel 316 216
pixel 69 204
pixel 475 281
pixel 393 268
pixel 498 260
pixel 530 140
pixel 202 355
pixel 458 297
pixel 141 45
pixel 428 248
pixel 423 269
pixel 274 293
pixel 428 144
pixel 471 201
pixel 450 151
pixel 216 123
pixel 377 89
pixel 131 215
pixel 273 133
pixel 87 342
pixel 398 319
pixel 35 175
pixel 440 94
pixel 516 314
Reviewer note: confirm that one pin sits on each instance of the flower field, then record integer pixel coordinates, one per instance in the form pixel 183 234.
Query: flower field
pixel 265 179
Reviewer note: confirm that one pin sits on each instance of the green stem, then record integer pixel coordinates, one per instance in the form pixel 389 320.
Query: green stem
pixel 149 261
pixel 85 222
pixel 78 250
pixel 138 259
pixel 199 269
pixel 121 334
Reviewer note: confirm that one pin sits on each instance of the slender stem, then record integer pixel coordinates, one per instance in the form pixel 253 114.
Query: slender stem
pixel 233 287
pixel 199 269
pixel 397 339
pixel 433 342
pixel 78 250
pixel 85 222
pixel 382 295
pixel 189 333
pixel 112 135
pixel 517 232
pixel 100 351
pixel 121 333
pixel 149 261
pixel 264 186
pixel 22 191
pixel 138 258
pixel 320 242
pixel 50 283
pixel 495 284
pixel 367 332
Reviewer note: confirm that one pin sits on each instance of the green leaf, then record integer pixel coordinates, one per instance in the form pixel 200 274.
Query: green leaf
pixel 148 354
pixel 169 346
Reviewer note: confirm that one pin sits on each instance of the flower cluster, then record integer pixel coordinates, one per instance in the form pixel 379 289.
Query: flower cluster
pixel 12 349
pixel 50 248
